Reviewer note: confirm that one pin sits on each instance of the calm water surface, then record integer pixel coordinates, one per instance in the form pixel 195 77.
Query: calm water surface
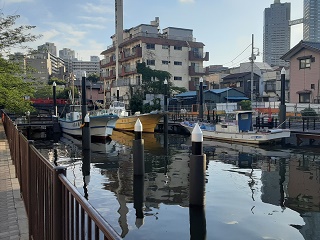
pixel 251 193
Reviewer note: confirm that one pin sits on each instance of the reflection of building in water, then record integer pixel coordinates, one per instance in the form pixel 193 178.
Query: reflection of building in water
pixel 295 183
pixel 304 194
pixel 274 179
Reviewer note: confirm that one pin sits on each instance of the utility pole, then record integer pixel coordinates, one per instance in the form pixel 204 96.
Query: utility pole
pixel 252 58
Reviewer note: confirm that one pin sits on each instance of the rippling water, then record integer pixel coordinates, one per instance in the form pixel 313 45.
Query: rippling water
pixel 251 193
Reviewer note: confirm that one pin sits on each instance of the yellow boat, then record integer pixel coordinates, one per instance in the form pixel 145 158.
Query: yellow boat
pixel 126 123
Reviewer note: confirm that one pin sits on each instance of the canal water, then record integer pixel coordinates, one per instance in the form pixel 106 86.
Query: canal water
pixel 250 193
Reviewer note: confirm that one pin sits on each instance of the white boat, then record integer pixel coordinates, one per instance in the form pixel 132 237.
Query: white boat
pixel 101 122
pixel 237 127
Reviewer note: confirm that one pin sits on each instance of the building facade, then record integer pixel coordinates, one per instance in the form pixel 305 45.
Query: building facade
pixel 276 33
pixel 304 61
pixel 311 20
pixel 48 48
pixel 174 50
pixel 44 66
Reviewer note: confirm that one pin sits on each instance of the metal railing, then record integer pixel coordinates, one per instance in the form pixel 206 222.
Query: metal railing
pixel 55 208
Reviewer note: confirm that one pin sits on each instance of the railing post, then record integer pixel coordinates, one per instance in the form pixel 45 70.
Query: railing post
pixel 57 203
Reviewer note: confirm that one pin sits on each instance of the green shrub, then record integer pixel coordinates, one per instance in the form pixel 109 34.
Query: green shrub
pixel 308 112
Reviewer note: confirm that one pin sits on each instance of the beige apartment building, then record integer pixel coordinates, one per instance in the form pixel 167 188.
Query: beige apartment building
pixel 174 50
pixel 44 66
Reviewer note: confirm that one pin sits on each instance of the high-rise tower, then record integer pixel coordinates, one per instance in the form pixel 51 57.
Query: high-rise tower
pixel 311 20
pixel 276 33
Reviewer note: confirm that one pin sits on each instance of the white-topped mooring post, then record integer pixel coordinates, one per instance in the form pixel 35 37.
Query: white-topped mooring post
pixel 201 99
pixel 197 169
pixel 138 150
pixel 118 94
pixel 282 111
pixel 86 136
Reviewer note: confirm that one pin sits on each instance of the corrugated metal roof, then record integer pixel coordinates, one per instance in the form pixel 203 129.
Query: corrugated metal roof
pixel 218 91
pixel 187 94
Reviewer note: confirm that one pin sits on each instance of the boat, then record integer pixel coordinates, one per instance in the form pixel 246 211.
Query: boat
pixel 237 127
pixel 101 122
pixel 126 122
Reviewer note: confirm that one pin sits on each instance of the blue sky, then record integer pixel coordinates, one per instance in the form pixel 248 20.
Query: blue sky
pixel 225 27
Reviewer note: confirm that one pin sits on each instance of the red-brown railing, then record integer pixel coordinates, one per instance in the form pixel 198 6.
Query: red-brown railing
pixel 55 208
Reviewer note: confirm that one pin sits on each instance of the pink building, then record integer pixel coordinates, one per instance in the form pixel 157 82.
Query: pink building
pixel 304 61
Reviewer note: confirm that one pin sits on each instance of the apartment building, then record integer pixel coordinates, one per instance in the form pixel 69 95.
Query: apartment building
pixel 44 65
pixel 173 50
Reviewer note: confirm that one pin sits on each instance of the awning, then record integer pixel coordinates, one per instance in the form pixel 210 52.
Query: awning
pixel 304 91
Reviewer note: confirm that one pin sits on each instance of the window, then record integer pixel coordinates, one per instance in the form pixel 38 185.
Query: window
pixel 165 46
pixel 165 62
pixel 177 48
pixel 151 62
pixel 312 86
pixel 304 97
pixel 177 78
pixel 177 63
pixel 150 46
pixel 305 63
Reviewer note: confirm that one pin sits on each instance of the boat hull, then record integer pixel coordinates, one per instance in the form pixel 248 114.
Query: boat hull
pixel 149 121
pixel 245 137
pixel 100 126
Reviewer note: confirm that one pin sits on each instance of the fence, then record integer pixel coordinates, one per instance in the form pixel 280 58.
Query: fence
pixel 55 209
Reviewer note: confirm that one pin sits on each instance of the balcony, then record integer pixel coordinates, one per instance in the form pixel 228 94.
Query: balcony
pixel 196 71
pixel 127 70
pixel 106 76
pixel 107 62
pixel 126 56
pixel 195 56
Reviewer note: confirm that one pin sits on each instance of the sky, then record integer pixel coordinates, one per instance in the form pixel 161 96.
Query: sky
pixel 225 27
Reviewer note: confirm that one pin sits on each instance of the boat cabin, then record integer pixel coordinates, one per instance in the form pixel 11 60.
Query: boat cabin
pixel 118 108
pixel 235 122
pixel 74 113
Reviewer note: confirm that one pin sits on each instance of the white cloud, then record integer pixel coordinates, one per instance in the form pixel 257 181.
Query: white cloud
pixel 93 8
pixel 96 19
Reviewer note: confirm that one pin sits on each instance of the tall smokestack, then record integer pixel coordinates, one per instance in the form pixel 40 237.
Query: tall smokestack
pixel 119 32
pixel 119 20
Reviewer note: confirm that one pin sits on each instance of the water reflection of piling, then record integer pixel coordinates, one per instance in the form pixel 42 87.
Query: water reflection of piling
pixel 198 225
pixel 86 161
pixel 197 169
pixel 138 150
pixel 86 136
pixel 138 196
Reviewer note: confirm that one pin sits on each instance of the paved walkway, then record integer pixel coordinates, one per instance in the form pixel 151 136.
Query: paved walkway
pixel 13 217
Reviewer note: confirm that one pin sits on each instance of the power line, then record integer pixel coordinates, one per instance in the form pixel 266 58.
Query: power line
pixel 238 55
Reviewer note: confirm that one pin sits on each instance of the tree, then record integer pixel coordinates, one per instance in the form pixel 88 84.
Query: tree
pixel 11 36
pixel 153 80
pixel 245 105
pixel 58 81
pixel 93 78
pixel 13 89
